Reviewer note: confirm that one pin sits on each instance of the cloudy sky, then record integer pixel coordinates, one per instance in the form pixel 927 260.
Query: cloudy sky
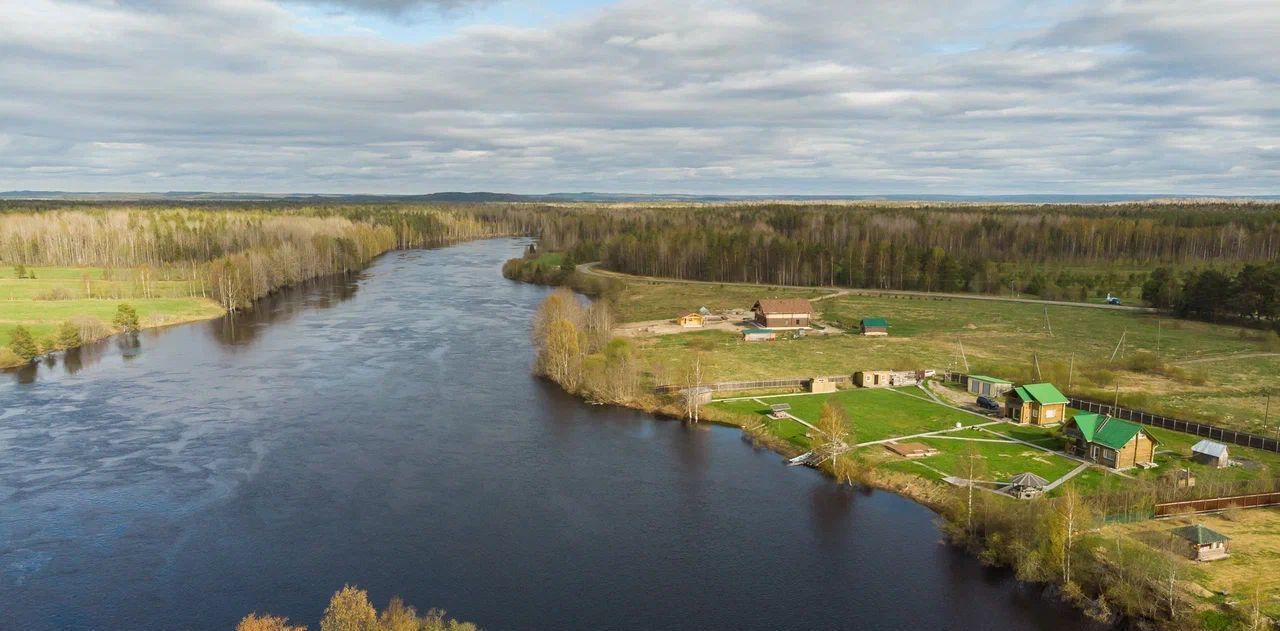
pixel 714 96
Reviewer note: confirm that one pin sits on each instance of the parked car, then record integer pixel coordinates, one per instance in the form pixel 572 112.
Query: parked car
pixel 987 403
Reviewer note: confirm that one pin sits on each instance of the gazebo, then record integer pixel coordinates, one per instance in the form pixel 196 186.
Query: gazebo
pixel 1025 486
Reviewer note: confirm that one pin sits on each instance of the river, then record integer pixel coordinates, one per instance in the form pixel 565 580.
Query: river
pixel 383 430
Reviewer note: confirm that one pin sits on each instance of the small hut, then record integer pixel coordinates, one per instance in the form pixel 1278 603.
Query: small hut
pixel 779 411
pixel 1025 486
pixel 875 327
pixel 1184 478
pixel 1203 544
pixel 822 384
pixel 1210 453
pixel 691 319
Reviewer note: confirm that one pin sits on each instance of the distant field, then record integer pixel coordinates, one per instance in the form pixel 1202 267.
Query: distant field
pixel 656 301
pixel 1199 370
pixel 58 294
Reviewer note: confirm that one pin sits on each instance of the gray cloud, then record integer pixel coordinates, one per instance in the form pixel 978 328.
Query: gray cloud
pixel 766 96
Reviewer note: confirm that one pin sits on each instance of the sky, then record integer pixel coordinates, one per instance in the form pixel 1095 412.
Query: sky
pixel 748 97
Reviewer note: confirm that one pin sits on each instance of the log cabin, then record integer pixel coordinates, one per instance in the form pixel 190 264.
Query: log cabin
pixel 1036 404
pixel 1110 442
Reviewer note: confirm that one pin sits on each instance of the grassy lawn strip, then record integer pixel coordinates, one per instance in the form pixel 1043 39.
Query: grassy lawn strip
pixel 19 304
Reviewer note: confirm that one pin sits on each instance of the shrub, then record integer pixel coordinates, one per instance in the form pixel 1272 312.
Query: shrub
pixel 69 335
pixel 56 293
pixel 9 358
pixel 126 318
pixel 22 344
pixel 90 328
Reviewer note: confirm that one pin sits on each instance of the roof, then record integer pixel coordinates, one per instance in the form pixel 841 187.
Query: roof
pixel 756 331
pixel 1209 448
pixel 1200 535
pixel 989 379
pixel 1107 431
pixel 1042 393
pixel 1028 480
pixel 783 305
pixel 875 322
pixel 685 314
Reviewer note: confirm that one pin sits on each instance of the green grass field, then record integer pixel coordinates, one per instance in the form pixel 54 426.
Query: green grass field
pixel 58 294
pixel 1217 373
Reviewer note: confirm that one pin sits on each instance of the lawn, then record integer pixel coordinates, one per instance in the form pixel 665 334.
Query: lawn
pixel 874 414
pixel 24 301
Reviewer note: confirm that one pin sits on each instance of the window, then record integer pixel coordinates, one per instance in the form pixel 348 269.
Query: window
pixel 1048 413
pixel 1094 452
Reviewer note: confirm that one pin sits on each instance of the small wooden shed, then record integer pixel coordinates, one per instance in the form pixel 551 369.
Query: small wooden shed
pixel 1203 544
pixel 691 319
pixel 1211 453
pixel 759 335
pixel 985 386
pixel 822 384
pixel 875 327
pixel 779 411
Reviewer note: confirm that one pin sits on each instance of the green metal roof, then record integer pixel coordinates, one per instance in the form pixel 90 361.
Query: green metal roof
pixel 989 379
pixel 751 331
pixel 1107 431
pixel 1200 535
pixel 875 322
pixel 1042 393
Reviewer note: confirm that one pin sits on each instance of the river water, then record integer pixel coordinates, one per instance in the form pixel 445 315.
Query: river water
pixel 383 430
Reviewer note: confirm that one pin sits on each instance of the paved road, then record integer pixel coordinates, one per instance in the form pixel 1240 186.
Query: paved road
pixel 591 269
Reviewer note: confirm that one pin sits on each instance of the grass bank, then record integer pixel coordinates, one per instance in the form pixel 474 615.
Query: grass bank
pixel 44 298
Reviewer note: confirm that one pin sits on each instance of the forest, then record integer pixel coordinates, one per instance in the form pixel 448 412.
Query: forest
pixel 1051 251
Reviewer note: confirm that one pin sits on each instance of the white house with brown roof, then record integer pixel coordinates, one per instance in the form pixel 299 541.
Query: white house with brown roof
pixel 783 313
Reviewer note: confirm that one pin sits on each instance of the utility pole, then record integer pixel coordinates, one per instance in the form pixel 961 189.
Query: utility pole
pixel 1071 370
pixel 1118 345
pixel 965 358
pixel 1047 324
pixel 1159 331
pixel 1116 403
pixel 1036 358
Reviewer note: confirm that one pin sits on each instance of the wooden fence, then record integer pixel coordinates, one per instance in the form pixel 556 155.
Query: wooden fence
pixel 1212 432
pixel 726 386
pixel 1214 504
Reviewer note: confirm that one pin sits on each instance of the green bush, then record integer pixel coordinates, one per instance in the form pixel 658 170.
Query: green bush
pixel 22 344
pixel 126 318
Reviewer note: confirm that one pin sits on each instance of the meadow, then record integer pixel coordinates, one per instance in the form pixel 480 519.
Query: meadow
pixel 89 297
pixel 1219 373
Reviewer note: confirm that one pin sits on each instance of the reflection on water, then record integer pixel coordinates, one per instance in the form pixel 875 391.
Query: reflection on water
pixel 382 429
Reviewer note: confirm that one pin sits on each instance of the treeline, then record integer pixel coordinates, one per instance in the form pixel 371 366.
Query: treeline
pixel 235 255
pixel 350 610
pixel 918 246
pixel 1251 295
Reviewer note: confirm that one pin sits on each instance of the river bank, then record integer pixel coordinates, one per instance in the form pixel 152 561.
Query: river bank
pixel 1023 536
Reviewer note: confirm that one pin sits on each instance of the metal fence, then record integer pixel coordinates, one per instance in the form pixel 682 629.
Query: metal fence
pixel 725 386
pixel 1213 432
pixel 1217 504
